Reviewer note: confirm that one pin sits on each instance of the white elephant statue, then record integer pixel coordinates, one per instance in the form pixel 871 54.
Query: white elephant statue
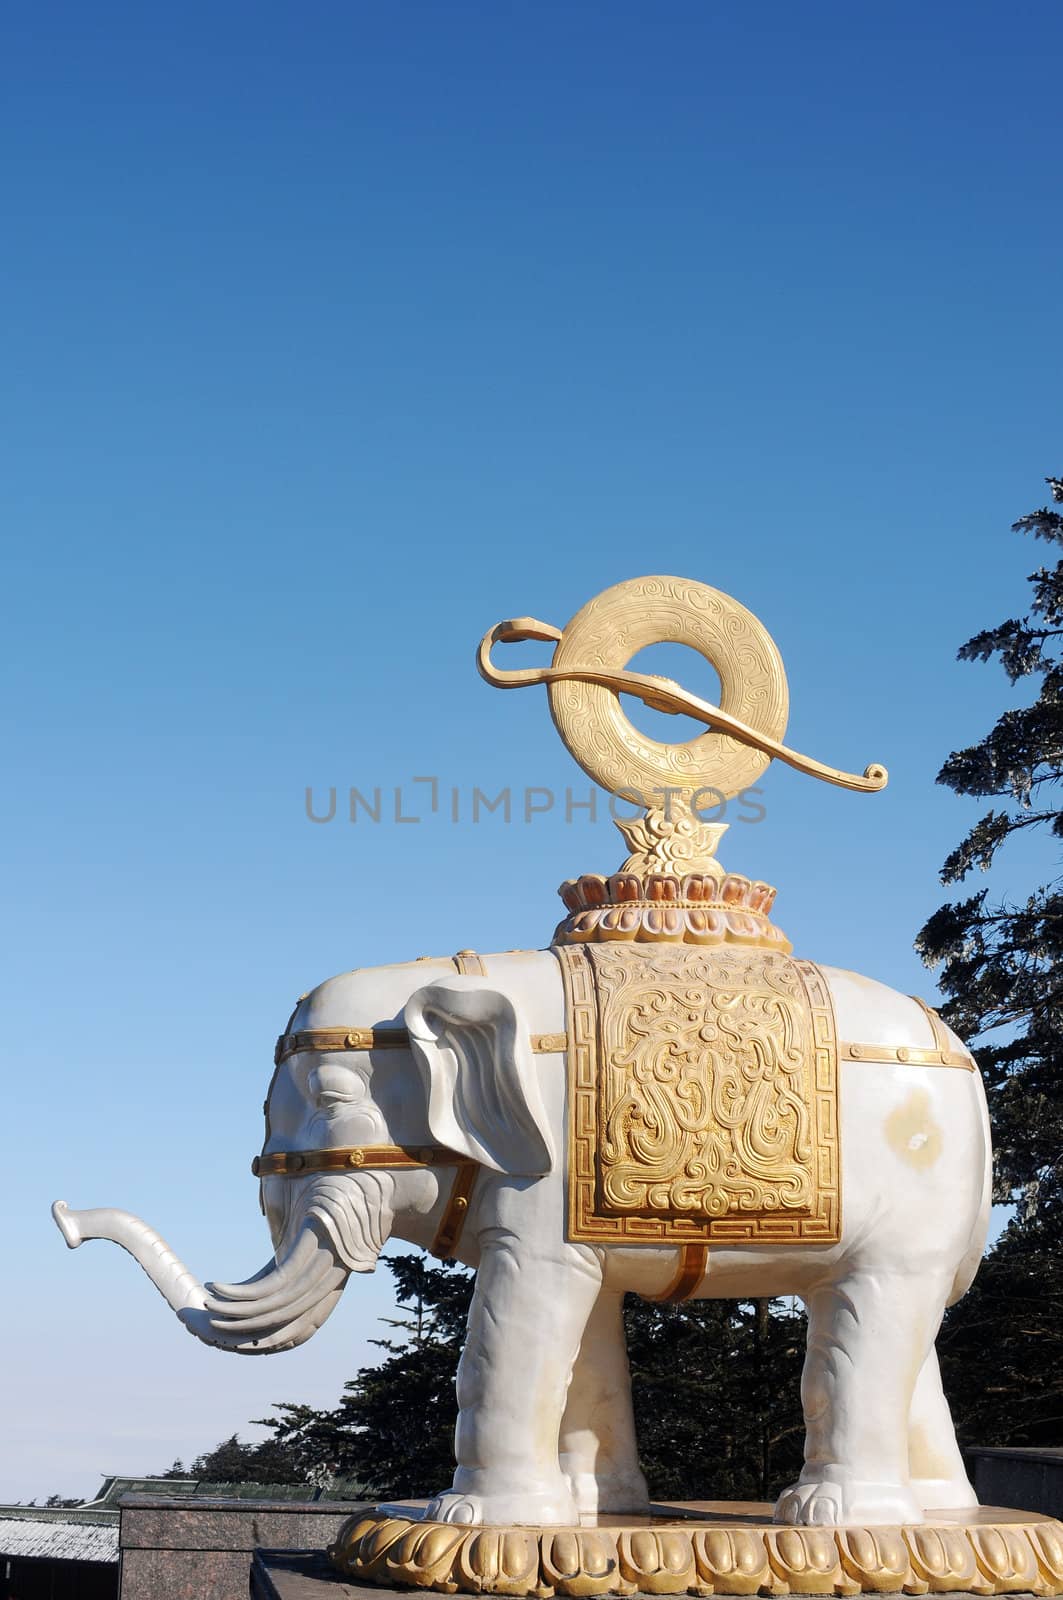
pixel 429 1103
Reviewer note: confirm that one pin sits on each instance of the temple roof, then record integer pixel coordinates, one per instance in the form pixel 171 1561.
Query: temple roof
pixel 89 1532
pixel 46 1539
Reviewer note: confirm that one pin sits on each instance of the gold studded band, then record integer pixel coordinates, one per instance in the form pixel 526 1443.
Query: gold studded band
pixel 337 1039
pixel 296 1163
pixel 942 1055
pixel 340 1039
pixel 364 1158
pixel 885 1055
pixel 289 1044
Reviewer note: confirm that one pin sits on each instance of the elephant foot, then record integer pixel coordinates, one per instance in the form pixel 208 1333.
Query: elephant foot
pixel 945 1494
pixel 840 1498
pixel 620 1491
pixel 515 1508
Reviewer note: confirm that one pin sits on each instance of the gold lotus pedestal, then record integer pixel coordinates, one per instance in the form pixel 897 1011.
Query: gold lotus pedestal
pixel 705 1548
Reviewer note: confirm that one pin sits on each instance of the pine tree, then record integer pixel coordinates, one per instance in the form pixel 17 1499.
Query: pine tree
pixel 716 1386
pixel 1002 963
pixel 1001 1347
pixel 393 1430
pixel 235 1462
pixel 1002 973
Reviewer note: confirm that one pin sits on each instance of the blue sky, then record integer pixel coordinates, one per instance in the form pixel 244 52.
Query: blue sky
pixel 334 334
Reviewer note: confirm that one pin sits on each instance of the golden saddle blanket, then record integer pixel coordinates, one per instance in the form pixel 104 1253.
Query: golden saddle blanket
pixel 703 1096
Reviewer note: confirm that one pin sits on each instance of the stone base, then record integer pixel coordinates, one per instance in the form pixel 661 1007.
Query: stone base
pixel 704 1548
pixel 197 1548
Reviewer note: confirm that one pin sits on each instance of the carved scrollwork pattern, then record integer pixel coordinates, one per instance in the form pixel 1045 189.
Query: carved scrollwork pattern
pixel 703 1095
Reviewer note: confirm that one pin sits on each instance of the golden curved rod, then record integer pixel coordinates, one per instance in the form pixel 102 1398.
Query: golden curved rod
pixel 661 694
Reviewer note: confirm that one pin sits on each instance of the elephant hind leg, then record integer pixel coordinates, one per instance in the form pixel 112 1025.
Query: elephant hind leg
pixel 939 1478
pixel 598 1451
pixel 868 1339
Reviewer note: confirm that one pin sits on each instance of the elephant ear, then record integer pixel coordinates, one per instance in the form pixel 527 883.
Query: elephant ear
pixel 473 1048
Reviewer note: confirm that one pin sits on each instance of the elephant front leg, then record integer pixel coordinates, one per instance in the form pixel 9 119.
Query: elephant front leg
pixel 525 1325
pixel 598 1450
pixel 868 1338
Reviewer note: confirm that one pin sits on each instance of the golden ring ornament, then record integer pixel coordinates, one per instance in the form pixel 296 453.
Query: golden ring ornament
pixel 589 673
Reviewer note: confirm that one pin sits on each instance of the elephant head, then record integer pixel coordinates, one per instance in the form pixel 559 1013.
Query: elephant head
pixel 371 1128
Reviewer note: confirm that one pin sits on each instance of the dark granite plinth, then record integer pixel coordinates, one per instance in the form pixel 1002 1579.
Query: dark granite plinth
pixel 1018 1477
pixel 305 1575
pixel 182 1549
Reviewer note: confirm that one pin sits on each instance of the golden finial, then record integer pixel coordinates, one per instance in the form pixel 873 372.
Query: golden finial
pixel 671 886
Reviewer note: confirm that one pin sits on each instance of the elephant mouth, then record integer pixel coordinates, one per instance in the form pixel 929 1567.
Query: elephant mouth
pixel 329 1227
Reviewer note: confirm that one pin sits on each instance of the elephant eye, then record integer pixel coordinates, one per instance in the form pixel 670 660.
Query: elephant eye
pixel 333 1085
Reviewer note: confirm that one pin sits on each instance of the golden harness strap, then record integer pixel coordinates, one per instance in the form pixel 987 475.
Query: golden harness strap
pixel 386 1157
pixel 389 1038
pixel 397 1038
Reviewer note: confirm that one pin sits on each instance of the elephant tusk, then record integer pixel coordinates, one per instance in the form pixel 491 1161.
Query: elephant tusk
pixel 266 1319
pixel 296 1261
pixel 284 1295
pixel 295 1331
pixel 661 694
pixel 234 1289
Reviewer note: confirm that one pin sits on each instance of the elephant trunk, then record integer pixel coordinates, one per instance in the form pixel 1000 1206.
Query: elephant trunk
pixel 334 1227
pixel 178 1287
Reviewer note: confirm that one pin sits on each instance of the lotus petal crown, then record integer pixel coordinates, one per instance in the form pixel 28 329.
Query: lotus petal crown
pixel 671 889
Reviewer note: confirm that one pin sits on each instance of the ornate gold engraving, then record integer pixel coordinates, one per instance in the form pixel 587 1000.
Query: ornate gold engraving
pixel 588 674
pixel 620 621
pixel 705 1548
pixel 702 1096
pixel 660 842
